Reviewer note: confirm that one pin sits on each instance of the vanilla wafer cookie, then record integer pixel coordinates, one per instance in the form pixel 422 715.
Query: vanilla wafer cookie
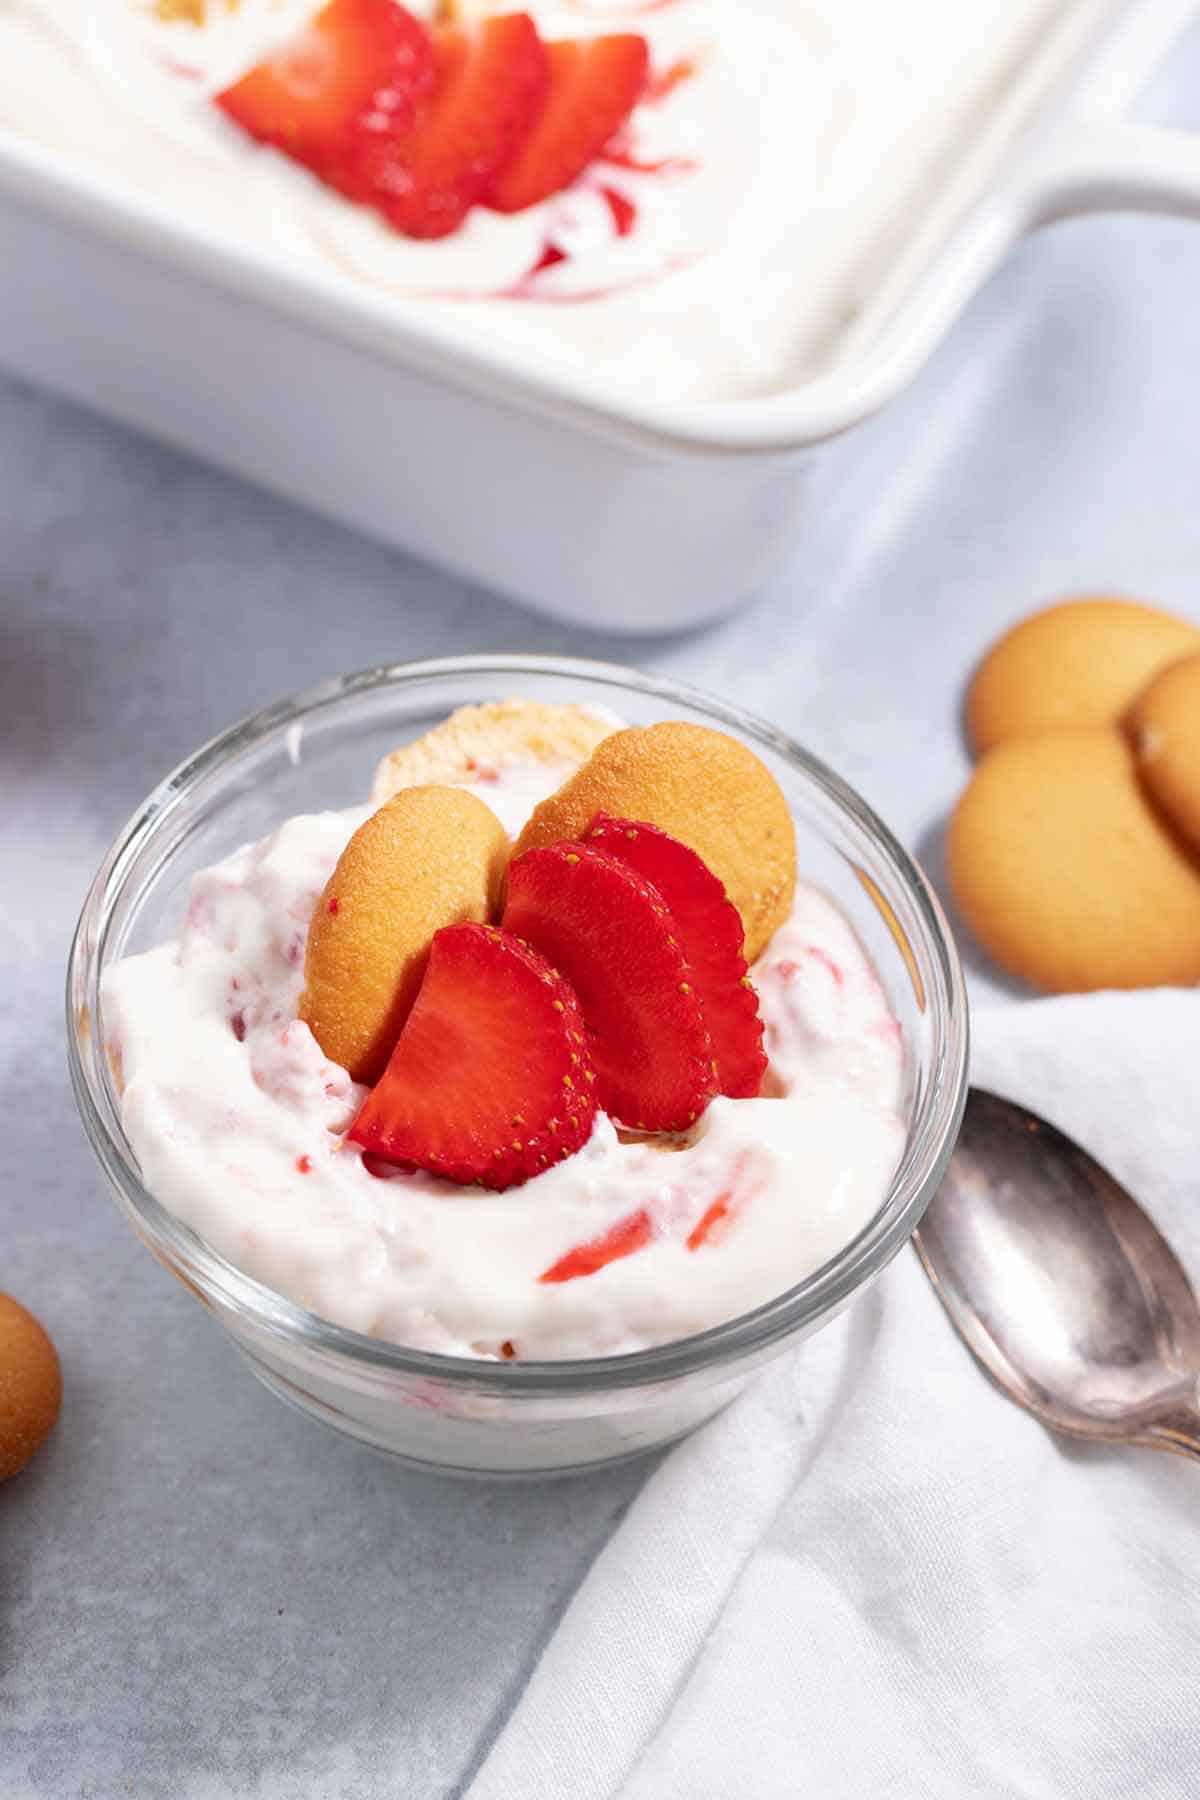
pixel 476 742
pixel 706 789
pixel 430 856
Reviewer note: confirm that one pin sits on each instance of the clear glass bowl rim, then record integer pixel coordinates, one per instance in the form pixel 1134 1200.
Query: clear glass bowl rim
pixel 226 1288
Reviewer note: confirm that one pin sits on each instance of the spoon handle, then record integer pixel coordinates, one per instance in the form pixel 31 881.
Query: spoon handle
pixel 1178 1430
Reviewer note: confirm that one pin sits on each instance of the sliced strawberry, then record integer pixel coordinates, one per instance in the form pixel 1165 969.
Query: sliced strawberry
pixel 608 931
pixel 709 1222
pixel 622 1239
pixel 490 1080
pixel 594 85
pixel 489 85
pixel 709 927
pixel 353 76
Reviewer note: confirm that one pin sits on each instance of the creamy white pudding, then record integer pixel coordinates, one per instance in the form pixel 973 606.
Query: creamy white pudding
pixel 237 1121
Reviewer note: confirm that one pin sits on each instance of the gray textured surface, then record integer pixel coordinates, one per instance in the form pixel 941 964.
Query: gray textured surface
pixel 203 1595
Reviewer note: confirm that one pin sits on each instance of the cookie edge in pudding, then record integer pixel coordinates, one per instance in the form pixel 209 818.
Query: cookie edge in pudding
pixel 490 735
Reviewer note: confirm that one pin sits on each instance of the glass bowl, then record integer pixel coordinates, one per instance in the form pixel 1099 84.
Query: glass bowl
pixel 453 1413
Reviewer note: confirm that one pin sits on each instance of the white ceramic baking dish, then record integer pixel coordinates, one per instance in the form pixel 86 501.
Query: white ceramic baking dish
pixel 628 513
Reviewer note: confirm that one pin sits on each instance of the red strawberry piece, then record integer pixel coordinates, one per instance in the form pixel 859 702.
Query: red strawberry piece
pixel 490 1080
pixel 352 77
pixel 712 1217
pixel 622 1239
pixel 608 931
pixel 709 927
pixel 594 85
pixel 748 1181
pixel 489 85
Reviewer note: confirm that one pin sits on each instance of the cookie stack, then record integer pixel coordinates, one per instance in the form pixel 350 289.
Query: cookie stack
pixel 1074 853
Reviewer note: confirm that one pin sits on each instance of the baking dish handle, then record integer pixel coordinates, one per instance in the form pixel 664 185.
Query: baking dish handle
pixel 1093 165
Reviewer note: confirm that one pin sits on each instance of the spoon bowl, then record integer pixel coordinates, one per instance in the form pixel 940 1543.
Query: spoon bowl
pixel 1061 1285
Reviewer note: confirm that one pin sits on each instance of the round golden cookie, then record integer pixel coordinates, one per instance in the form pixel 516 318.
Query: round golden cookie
pixel 30 1386
pixel 706 789
pixel 477 738
pixel 1063 872
pixel 1164 727
pixel 432 856
pixel 1079 663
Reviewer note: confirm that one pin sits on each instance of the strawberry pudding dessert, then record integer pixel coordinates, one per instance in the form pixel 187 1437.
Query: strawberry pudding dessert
pixel 482 1069
pixel 698 194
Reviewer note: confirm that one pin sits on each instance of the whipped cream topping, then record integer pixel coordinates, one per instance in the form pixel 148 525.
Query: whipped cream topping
pixel 773 179
pixel 237 1120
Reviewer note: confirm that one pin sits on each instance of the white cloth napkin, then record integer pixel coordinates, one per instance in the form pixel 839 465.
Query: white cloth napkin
pixel 874 1576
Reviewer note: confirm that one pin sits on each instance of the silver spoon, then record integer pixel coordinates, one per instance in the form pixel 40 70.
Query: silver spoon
pixel 1061 1286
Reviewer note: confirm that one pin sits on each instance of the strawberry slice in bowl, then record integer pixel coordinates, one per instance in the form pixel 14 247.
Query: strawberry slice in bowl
pixel 593 86
pixel 490 1080
pixel 608 931
pixel 624 1238
pixel 355 75
pixel 709 927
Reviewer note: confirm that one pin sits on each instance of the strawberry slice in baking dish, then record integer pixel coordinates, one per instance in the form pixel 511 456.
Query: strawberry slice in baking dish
pixel 594 84
pixel 411 120
pixel 489 85
pixel 423 122
pixel 354 75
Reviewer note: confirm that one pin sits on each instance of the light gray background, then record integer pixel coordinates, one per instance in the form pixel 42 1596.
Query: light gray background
pixel 202 1594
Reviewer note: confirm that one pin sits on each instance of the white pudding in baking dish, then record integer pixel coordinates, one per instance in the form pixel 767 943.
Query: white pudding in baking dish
pixel 784 151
